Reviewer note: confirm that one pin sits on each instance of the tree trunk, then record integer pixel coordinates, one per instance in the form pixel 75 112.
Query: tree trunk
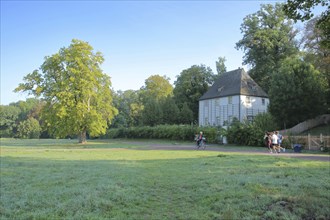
pixel 82 137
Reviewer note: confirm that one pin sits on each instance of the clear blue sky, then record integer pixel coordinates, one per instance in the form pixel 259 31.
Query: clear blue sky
pixel 137 38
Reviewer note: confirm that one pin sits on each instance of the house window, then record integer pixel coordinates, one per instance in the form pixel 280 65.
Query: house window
pixel 230 100
pixel 263 101
pixel 248 100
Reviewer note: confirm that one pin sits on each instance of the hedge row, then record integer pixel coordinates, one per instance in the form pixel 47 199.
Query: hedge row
pixel 170 132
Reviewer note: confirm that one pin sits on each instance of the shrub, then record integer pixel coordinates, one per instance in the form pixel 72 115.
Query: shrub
pixel 29 128
pixel 287 143
pixel 246 133
pixel 172 132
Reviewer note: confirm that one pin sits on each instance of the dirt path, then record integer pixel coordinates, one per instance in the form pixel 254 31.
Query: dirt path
pixel 261 151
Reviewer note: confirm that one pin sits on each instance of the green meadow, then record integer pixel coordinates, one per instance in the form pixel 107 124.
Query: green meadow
pixel 119 179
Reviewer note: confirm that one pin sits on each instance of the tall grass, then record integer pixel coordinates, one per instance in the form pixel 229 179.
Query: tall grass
pixel 59 179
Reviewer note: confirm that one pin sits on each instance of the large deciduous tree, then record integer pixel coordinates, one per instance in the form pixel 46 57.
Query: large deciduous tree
pixel 29 108
pixel 8 118
pixel 170 111
pixel 186 115
pixel 190 85
pixel 129 107
pixel 316 54
pixel 298 92
pixel 157 87
pixel 268 38
pixel 302 10
pixel 77 93
pixel 152 113
pixel 220 64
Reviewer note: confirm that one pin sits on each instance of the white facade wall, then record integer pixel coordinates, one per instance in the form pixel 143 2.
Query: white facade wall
pixel 221 111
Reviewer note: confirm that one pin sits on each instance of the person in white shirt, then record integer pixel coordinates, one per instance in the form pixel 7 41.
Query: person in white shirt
pixel 274 141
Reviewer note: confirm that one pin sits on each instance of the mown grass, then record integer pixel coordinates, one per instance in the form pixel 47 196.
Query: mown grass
pixel 59 179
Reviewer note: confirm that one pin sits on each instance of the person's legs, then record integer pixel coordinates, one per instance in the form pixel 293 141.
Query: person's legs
pixel 270 148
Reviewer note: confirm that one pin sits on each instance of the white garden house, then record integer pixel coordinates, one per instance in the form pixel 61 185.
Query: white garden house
pixel 233 95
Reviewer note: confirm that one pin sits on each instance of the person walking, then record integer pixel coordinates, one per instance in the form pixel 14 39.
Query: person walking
pixel 268 141
pixel 279 142
pixel 274 141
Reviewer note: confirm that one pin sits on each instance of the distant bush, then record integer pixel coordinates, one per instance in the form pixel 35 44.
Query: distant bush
pixel 29 128
pixel 248 134
pixel 171 132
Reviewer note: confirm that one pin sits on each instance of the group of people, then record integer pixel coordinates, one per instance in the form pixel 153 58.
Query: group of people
pixel 273 141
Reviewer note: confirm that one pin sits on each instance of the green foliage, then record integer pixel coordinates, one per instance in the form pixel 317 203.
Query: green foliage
pixel 186 115
pixel 302 10
pixel 220 64
pixel 129 108
pixel 268 38
pixel 287 142
pixel 170 132
pixel 190 85
pixel 29 128
pixel 212 134
pixel 152 113
pixel 31 107
pixel 266 122
pixel 315 53
pixel 119 121
pixel 295 87
pixel 76 91
pixel 170 111
pixel 156 87
pixel 248 134
pixel 8 117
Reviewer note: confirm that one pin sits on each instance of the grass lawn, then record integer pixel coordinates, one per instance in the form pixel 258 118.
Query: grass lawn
pixel 60 179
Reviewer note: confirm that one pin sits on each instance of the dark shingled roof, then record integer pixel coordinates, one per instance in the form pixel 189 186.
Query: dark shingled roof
pixel 235 82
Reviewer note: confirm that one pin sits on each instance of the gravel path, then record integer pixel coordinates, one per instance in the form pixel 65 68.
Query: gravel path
pixel 221 148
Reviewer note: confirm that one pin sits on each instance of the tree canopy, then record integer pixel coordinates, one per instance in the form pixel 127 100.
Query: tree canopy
pixel 77 93
pixel 314 53
pixel 157 87
pixel 190 85
pixel 302 10
pixel 8 117
pixel 268 38
pixel 297 92
pixel 129 108
pixel 220 64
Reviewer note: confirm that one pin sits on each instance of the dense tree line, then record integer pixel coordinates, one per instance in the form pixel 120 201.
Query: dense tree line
pixel 22 119
pixel 292 71
pixel 75 98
